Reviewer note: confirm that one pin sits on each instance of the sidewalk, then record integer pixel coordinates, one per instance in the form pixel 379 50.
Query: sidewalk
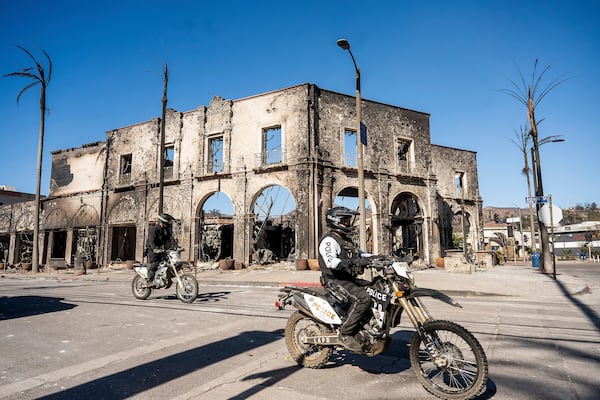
pixel 510 279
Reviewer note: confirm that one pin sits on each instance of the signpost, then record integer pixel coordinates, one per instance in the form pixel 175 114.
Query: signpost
pixel 550 215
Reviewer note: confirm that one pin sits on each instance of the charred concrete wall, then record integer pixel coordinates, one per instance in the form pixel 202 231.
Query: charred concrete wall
pixel 458 195
pixel 296 138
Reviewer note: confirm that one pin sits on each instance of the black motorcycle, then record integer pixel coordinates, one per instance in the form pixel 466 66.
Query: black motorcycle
pixel 448 360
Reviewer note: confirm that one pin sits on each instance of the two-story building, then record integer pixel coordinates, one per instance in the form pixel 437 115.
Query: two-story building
pixel 104 196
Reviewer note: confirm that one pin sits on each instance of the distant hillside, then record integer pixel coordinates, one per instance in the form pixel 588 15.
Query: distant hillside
pixel 571 216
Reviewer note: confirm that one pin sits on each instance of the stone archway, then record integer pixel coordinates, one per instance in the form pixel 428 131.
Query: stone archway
pixel 215 228
pixel 461 229
pixel 274 226
pixel 407 226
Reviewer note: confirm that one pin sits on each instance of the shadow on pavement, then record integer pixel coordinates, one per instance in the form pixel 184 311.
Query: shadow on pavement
pixel 25 306
pixel 585 309
pixel 133 381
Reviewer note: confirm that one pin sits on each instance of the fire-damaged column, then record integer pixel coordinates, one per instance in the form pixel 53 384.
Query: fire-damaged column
pixel 305 241
pixel 382 219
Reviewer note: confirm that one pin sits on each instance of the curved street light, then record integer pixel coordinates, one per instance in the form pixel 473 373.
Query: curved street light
pixel 345 45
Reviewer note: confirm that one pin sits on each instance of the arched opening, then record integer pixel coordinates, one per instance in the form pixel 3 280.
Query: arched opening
pixel 461 228
pixel 85 234
pixel 407 226
pixel 215 228
pixel 274 228
pixel 348 197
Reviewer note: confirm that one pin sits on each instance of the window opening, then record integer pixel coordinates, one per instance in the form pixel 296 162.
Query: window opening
pixel 272 153
pixel 459 183
pixel 125 169
pixel 350 157
pixel 404 159
pixel 169 161
pixel 215 157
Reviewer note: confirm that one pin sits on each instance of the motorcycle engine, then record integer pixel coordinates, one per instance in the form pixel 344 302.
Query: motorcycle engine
pixel 160 278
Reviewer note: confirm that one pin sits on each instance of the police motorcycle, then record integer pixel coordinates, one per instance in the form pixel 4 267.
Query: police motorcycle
pixel 170 270
pixel 448 360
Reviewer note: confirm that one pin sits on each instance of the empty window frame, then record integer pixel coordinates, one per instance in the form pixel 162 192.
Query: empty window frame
pixel 125 169
pixel 404 151
pixel 272 150
pixel 215 155
pixel 169 160
pixel 350 157
pixel 459 184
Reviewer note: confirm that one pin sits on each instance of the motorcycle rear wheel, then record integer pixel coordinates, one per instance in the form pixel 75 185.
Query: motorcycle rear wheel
pixel 139 289
pixel 465 374
pixel 188 290
pixel 299 327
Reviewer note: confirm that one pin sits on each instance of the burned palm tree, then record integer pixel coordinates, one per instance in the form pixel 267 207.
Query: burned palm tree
pixel 522 140
pixel 39 75
pixel 530 94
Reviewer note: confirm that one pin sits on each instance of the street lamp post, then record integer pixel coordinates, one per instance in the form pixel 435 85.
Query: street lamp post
pixel 345 45
pixel 539 188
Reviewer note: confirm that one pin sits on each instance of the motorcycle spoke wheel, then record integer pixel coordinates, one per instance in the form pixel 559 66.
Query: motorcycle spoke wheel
pixel 298 328
pixel 139 289
pixel 458 370
pixel 188 290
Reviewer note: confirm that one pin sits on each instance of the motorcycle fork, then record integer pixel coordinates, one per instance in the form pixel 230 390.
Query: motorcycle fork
pixel 419 315
pixel 177 276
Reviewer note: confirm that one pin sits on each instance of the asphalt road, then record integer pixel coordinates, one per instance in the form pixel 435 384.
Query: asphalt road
pixel 93 340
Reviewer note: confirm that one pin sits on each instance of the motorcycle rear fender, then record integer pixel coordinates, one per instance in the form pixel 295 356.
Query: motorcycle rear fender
pixel 141 270
pixel 436 294
pixel 316 307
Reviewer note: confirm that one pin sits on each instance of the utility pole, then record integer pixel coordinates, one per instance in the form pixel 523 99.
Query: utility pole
pixel 162 141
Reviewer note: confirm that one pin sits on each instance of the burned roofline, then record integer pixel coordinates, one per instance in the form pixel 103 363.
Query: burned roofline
pixel 85 146
pixel 329 91
pixel 453 148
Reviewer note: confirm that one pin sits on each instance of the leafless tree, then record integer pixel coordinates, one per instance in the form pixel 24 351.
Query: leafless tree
pixel 39 75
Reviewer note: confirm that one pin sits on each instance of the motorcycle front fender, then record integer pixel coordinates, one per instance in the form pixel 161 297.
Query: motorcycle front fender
pixel 436 294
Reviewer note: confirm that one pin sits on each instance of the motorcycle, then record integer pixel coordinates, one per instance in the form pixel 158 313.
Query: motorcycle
pixel 448 360
pixel 169 270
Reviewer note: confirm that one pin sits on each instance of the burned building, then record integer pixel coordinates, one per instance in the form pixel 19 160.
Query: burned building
pixel 275 162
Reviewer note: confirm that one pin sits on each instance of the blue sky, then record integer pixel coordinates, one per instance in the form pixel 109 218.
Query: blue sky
pixel 445 58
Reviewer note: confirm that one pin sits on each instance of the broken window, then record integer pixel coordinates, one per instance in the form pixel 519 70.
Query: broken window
pixel 459 183
pixel 215 155
pixel 272 153
pixel 169 161
pixel 350 159
pixel 404 155
pixel 125 169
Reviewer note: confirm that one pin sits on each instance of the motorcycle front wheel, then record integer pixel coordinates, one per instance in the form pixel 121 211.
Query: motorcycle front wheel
pixel 188 290
pixel 139 289
pixel 298 328
pixel 457 367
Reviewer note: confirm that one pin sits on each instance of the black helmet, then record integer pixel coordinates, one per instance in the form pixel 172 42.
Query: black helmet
pixel 339 219
pixel 165 218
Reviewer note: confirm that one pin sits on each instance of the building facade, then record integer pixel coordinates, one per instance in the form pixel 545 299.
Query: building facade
pixel 104 196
